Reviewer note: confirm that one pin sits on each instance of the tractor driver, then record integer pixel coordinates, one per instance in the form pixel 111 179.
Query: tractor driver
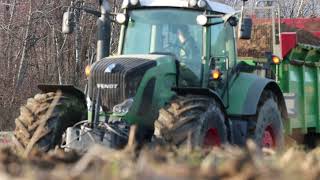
pixel 189 56
pixel 188 46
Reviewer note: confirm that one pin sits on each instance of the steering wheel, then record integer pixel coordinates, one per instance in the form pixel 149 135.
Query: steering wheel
pixel 172 45
pixel 177 51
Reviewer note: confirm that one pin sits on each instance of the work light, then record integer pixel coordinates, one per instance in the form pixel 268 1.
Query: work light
pixel 276 60
pixel 202 20
pixel 202 3
pixel 125 4
pixel 134 2
pixel 216 74
pixel 193 3
pixel 121 18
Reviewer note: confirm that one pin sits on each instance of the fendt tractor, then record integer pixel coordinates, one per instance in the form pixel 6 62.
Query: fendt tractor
pixel 176 78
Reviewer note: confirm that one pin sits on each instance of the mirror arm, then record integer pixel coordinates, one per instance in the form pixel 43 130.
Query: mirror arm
pixel 215 23
pixel 241 16
pixel 87 10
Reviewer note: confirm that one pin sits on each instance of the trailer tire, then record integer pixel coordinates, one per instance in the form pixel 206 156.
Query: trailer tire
pixel 68 111
pixel 267 129
pixel 198 120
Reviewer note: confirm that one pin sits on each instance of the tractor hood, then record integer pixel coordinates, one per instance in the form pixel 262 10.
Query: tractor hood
pixel 119 78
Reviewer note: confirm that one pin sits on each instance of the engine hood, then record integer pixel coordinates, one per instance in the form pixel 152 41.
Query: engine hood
pixel 118 77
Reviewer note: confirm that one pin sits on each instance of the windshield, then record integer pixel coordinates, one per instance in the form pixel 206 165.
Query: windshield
pixel 171 31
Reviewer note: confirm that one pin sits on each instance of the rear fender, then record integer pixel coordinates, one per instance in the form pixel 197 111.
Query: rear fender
pixel 245 92
pixel 65 89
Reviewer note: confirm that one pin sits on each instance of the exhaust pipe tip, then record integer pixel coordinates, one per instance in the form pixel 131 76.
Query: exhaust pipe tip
pixel 105 6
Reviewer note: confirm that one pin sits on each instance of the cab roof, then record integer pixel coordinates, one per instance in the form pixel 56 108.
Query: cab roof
pixel 211 5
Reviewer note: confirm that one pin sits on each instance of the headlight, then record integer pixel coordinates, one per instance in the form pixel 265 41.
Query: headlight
pixel 88 70
pixel 124 107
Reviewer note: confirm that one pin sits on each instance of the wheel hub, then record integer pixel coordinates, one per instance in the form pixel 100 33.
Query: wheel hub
pixel 212 138
pixel 268 139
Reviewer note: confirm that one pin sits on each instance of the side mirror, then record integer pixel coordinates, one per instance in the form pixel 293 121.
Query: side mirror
pixel 245 28
pixel 67 23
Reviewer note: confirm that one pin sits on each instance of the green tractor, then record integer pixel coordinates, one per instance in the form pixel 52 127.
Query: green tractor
pixel 176 77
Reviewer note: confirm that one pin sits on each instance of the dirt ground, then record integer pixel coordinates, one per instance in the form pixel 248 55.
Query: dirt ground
pixel 160 163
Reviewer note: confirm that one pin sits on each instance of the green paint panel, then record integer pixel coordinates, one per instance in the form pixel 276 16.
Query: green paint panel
pixel 165 77
pixel 302 79
pixel 298 53
pixel 313 55
pixel 239 87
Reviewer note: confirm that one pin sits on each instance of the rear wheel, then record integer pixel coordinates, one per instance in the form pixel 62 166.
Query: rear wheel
pixel 68 111
pixel 267 128
pixel 196 118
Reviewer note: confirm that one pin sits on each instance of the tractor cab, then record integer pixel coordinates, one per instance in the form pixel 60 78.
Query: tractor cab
pixel 181 38
pixel 194 33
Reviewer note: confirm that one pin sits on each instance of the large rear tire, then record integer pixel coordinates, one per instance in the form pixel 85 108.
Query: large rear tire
pixel 267 129
pixel 198 117
pixel 68 111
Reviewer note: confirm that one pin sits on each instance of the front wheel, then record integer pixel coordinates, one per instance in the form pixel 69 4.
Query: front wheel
pixel 198 119
pixel 68 111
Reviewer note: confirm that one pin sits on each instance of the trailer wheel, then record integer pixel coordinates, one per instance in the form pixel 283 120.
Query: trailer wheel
pixel 267 128
pixel 197 119
pixel 68 111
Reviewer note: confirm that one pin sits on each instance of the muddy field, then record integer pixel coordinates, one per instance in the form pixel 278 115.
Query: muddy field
pixel 160 163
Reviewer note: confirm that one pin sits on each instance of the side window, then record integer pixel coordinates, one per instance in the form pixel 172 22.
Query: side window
pixel 217 40
pixel 230 45
pixel 223 45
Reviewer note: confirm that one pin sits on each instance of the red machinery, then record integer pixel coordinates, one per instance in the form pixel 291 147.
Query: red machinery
pixel 308 24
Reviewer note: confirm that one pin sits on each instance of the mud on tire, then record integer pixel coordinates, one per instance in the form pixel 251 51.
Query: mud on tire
pixel 68 111
pixel 190 115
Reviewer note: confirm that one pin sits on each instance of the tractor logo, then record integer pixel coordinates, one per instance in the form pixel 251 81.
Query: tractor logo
pixel 110 68
pixel 107 86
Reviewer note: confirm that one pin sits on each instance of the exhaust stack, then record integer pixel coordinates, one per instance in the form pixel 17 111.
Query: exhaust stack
pixel 103 30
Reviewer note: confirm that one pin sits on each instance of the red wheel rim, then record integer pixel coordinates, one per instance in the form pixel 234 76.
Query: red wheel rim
pixel 268 139
pixel 212 138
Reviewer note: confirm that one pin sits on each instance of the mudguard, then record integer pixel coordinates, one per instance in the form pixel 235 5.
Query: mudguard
pixel 200 91
pixel 65 89
pixel 244 94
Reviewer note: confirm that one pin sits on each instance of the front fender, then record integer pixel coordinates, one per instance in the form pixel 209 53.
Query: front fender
pixel 65 89
pixel 245 91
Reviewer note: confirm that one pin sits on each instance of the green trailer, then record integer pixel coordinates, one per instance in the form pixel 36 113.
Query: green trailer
pixel 297 74
pixel 299 77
